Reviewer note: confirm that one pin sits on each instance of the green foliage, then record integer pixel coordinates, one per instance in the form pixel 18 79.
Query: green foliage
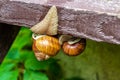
pixel 34 75
pixel 21 64
pixel 9 75
pixel 98 61
pixel 56 71
pixel 75 78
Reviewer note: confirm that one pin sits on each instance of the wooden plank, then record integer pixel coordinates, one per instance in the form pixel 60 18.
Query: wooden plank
pixel 97 20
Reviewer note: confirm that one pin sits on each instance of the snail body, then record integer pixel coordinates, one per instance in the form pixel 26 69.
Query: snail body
pixel 75 48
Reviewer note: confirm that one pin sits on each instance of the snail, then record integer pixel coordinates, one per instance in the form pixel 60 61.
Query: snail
pixel 75 48
pixel 72 46
pixel 45 46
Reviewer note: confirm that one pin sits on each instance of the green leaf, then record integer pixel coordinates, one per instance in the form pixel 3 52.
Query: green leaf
pixel 9 75
pixel 25 54
pixel 55 68
pixel 7 66
pixel 55 71
pixel 13 54
pixel 33 75
pixel 23 38
pixel 10 60
pixel 34 64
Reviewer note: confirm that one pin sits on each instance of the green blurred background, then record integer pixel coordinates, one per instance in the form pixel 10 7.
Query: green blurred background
pixel 99 61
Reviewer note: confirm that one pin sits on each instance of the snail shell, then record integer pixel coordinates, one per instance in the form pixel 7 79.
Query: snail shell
pixel 74 49
pixel 47 45
pixel 38 54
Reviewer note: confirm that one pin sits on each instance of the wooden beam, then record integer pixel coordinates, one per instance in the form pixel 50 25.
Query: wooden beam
pixel 97 20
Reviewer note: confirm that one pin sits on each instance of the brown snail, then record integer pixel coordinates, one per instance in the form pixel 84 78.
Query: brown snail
pixel 45 46
pixel 73 47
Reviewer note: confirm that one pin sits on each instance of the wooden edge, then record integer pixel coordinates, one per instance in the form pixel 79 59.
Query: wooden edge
pixel 100 27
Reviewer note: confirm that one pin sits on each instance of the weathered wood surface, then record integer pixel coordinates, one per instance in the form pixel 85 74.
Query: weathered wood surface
pixel 92 19
pixel 7 36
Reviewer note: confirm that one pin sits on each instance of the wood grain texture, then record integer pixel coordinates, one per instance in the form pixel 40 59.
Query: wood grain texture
pixel 99 23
